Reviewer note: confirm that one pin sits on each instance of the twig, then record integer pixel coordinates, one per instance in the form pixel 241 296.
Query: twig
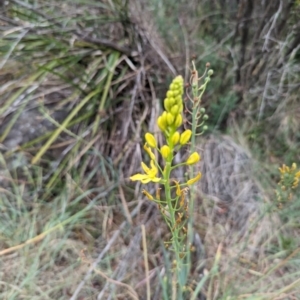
pixel 132 292
pixel 267 36
pixel 125 206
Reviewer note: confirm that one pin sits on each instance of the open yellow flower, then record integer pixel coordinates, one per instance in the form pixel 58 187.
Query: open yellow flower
pixel 149 176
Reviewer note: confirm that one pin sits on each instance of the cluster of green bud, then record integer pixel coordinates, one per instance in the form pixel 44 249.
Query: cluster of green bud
pixel 171 118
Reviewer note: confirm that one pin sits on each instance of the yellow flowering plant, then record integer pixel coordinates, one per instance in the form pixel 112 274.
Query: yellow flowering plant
pixel 289 181
pixel 173 203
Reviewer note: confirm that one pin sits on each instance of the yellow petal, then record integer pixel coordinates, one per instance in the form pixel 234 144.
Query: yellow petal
pixel 149 151
pixel 153 166
pixel 195 179
pixel 156 179
pixel 146 180
pixel 145 168
pixel 138 177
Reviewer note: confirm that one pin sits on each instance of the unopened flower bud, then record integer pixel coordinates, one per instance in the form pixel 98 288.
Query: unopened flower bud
pixel 150 139
pixel 210 72
pixel 170 94
pixel 165 151
pixel 175 109
pixel 178 121
pixel 175 138
pixel 167 104
pixel 170 118
pixel 205 117
pixel 205 128
pixel 194 158
pixel 185 137
pixel 161 124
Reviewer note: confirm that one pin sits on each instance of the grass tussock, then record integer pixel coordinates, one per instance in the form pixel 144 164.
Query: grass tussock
pixel 79 83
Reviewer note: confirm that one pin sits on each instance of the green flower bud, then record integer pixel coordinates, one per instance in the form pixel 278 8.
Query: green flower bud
pixel 178 121
pixel 164 117
pixel 172 101
pixel 165 151
pixel 170 94
pixel 175 138
pixel 173 86
pixel 185 137
pixel 170 118
pixel 205 117
pixel 179 80
pixel 210 72
pixel 178 99
pixel 175 109
pixel 202 110
pixel 176 93
pixel 180 109
pixel 150 139
pixel 167 104
pixel 205 128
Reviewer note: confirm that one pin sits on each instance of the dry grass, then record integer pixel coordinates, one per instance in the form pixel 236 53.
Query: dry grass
pixel 79 87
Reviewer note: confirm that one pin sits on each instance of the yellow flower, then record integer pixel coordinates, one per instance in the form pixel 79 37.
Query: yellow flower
pixel 150 139
pixel 149 176
pixel 149 151
pixel 195 179
pixel 284 169
pixel 194 158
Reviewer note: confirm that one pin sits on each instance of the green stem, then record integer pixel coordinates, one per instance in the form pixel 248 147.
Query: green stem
pixel 174 229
